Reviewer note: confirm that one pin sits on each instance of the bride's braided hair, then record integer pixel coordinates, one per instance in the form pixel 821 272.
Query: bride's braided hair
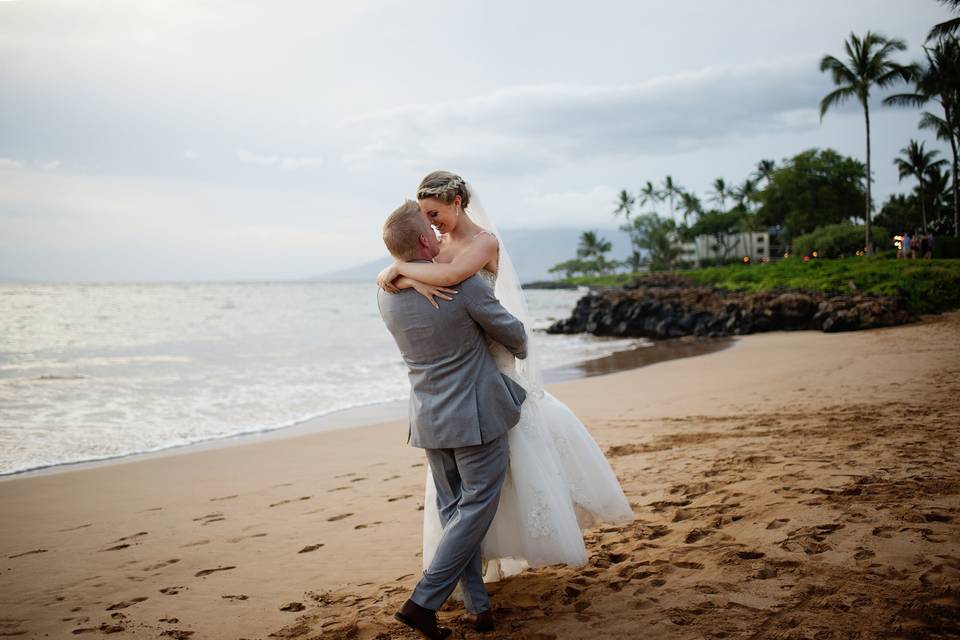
pixel 444 186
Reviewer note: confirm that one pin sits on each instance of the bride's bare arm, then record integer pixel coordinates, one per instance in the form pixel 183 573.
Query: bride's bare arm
pixel 393 284
pixel 479 252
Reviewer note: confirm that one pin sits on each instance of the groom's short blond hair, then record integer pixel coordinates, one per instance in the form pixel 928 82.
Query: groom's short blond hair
pixel 402 231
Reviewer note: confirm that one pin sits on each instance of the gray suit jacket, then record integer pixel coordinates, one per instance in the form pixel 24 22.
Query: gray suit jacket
pixel 458 397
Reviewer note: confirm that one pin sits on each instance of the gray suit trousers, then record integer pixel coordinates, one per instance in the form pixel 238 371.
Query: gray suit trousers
pixel 468 482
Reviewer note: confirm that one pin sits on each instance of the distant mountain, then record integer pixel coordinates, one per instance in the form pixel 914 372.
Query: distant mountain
pixel 533 252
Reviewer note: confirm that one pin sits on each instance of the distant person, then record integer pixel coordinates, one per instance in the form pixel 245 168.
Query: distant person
pixel 928 254
pixel 905 245
pixel 923 246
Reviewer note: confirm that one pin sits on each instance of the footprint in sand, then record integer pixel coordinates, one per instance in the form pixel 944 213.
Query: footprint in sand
pixel 241 538
pixel 419 464
pixel 390 478
pixel 206 572
pixel 126 603
pixel 171 591
pixel 196 543
pixel 883 532
pixel 224 498
pixel 288 501
pixel 358 480
pixel 210 517
pixel 403 497
pixel 282 484
pixel 863 554
pixel 311 547
pixel 161 565
pixel 177 634
pixel 239 596
pixel 697 534
pixel 688 565
pixel 293 606
pixel 777 523
pixel 104 628
pixel 75 528
pixel 345 475
pixel 27 553
pixel 365 526
pixel 339 517
pixel 337 489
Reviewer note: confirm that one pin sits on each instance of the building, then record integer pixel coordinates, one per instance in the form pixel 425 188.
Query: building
pixel 727 247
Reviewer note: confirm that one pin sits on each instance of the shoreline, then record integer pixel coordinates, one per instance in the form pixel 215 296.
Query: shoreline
pixel 802 484
pixel 390 410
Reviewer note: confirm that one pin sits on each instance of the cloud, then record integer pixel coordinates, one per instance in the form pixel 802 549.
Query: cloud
pixel 284 163
pixel 191 155
pixel 557 123
pixel 10 163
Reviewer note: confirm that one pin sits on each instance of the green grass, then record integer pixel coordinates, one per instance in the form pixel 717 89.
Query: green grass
pixel 930 286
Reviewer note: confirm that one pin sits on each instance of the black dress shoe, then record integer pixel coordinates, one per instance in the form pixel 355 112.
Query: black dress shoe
pixel 422 620
pixel 482 622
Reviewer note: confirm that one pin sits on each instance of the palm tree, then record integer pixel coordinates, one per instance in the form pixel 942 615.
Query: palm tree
pixel 720 193
pixel 949 27
pixel 939 81
pixel 690 205
pixel 868 64
pixel 649 195
pixel 916 162
pixel 938 188
pixel 745 193
pixel 624 203
pixel 594 247
pixel 670 191
pixel 765 169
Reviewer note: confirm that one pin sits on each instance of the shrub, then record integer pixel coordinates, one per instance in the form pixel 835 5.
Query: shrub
pixel 946 247
pixel 837 241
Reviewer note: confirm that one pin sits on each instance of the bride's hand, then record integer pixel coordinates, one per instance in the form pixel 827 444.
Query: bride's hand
pixel 428 291
pixel 386 277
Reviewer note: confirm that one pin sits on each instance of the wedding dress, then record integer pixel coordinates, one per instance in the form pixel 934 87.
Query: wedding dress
pixel 559 481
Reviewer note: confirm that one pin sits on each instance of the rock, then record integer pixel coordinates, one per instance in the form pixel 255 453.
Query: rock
pixel 668 305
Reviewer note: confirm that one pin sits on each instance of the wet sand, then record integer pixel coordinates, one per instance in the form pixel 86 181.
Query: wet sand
pixel 794 485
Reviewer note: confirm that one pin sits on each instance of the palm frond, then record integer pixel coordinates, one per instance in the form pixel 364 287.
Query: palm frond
pixel 836 98
pixel 944 29
pixel 915 100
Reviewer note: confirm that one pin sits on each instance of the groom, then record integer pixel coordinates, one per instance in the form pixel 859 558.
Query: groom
pixel 461 408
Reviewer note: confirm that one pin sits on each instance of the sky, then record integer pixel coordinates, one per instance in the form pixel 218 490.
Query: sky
pixel 232 140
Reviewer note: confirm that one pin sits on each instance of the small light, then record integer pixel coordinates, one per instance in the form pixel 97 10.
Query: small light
pixel 814 254
pixel 746 259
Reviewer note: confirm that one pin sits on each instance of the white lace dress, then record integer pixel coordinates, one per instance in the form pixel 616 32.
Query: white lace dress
pixel 558 482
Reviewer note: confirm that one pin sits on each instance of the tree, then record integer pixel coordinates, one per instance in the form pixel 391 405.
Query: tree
pixel 814 188
pixel 949 27
pixel 670 191
pixel 939 81
pixel 916 162
pixel 624 203
pixel 868 64
pixel 649 196
pixel 765 169
pixel 658 236
pixel 690 205
pixel 939 200
pixel 722 226
pixel 593 249
pixel 720 193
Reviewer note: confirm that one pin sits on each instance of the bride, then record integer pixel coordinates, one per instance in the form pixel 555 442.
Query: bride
pixel 558 482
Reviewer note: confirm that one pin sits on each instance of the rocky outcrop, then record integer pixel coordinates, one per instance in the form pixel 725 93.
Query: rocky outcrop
pixel 669 306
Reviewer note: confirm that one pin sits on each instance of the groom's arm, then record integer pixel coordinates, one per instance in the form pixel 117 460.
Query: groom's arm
pixel 495 321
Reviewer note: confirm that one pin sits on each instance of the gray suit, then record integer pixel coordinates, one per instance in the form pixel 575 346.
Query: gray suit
pixel 461 408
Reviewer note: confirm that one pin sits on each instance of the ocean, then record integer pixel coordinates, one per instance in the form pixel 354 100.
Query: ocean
pixel 97 371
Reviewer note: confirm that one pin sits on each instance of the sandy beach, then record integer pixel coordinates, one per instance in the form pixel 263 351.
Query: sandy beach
pixel 794 485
